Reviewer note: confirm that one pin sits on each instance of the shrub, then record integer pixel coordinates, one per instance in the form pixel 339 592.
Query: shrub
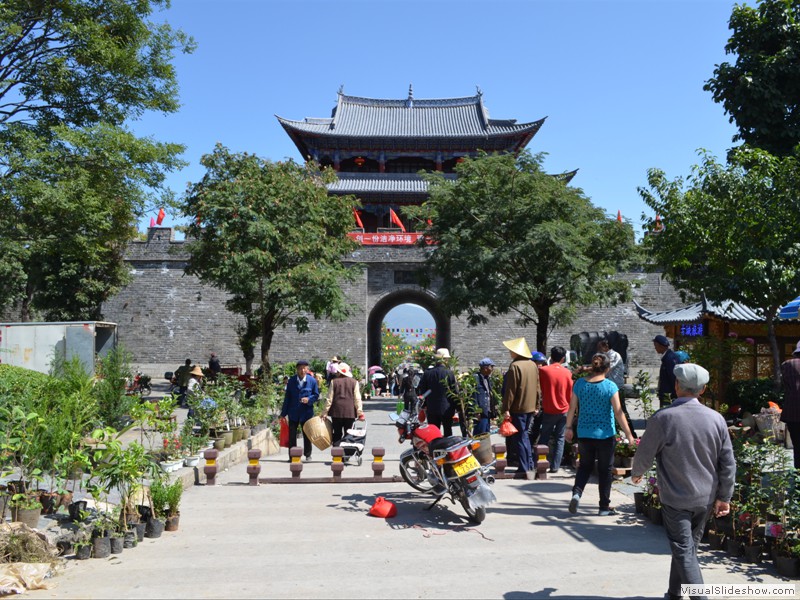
pixel 752 394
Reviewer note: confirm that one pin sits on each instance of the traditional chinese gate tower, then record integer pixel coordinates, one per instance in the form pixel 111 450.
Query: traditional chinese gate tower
pixel 377 148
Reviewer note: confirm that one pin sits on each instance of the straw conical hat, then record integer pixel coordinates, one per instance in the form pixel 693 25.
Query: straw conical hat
pixel 518 346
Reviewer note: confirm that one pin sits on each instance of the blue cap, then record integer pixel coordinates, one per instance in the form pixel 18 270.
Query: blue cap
pixel 538 357
pixel 486 362
pixel 302 362
pixel 661 339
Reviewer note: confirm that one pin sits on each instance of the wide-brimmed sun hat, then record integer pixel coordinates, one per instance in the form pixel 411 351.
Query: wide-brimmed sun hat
pixel 344 369
pixel 197 371
pixel 519 347
pixel 442 353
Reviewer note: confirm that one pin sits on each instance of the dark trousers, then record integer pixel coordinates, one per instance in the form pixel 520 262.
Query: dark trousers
pixel 482 425
pixel 554 425
pixel 535 428
pixel 625 412
pixel 521 442
pixel 443 422
pixel 794 433
pixel 340 427
pixel 601 451
pixel 293 426
pixel 684 528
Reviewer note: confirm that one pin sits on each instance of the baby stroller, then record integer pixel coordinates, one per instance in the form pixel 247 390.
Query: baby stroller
pixel 353 442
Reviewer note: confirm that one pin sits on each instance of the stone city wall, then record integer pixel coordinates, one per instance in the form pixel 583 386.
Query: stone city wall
pixel 165 316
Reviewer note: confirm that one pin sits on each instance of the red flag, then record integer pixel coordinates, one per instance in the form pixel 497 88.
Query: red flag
pixel 396 220
pixel 152 222
pixel 358 219
pixel 619 216
pixel 161 215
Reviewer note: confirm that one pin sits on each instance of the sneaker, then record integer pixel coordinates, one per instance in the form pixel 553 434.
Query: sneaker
pixel 573 504
pixel 307 458
pixel 607 512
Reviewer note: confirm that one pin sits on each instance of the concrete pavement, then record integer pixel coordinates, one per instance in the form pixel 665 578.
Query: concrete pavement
pixel 317 541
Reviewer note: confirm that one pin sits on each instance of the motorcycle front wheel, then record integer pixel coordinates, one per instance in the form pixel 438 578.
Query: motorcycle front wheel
pixel 145 390
pixel 476 515
pixel 415 473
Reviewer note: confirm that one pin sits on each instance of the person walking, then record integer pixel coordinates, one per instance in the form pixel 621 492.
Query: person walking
pixel 666 377
pixel 302 391
pixel 214 366
pixel 555 381
pixel 616 373
pixel 343 403
pixel 437 385
pixel 790 413
pixel 483 396
pixel 520 391
pixel 182 376
pixel 596 400
pixel 695 470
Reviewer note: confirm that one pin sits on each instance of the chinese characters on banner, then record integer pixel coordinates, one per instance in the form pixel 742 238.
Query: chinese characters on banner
pixel 397 239
pixel 692 330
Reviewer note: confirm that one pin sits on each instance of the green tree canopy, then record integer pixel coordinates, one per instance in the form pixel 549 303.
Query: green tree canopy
pixel 731 231
pixel 270 235
pixel 760 90
pixel 73 179
pixel 509 238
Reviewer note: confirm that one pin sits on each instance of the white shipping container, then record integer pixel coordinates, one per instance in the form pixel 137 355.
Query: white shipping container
pixel 35 345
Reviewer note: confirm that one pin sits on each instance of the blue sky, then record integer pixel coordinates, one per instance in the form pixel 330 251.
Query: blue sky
pixel 619 82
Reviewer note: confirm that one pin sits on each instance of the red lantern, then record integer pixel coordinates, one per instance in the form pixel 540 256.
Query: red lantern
pixel 359 161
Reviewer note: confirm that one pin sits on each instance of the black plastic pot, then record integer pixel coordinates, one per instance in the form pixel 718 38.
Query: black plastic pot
pixel 129 539
pixel 83 552
pixel 155 527
pixel 75 509
pixel 117 544
pixel 101 547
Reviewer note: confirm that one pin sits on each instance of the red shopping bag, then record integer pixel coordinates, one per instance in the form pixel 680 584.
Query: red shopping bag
pixel 383 508
pixel 284 437
pixel 507 429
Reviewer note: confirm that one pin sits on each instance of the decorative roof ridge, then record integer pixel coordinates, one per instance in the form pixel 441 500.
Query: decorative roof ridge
pixel 378 176
pixel 404 102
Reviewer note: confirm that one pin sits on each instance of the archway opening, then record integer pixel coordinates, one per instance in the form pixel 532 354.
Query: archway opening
pixel 418 313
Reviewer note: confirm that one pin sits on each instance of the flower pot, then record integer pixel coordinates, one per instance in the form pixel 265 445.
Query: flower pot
pixel 754 553
pixel 786 566
pixel 484 452
pixel 191 461
pixel 638 501
pixel 140 529
pixel 219 443
pixel 237 434
pixel 83 552
pixel 129 539
pixel 117 544
pixel 654 514
pixel 75 509
pixel 227 436
pixel 29 516
pixel 715 540
pixel 734 547
pixel 623 462
pixel 49 502
pixel 101 547
pixel 155 527
pixel 171 524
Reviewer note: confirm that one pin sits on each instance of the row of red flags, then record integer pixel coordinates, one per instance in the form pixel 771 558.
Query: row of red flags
pixel 392 217
pixel 159 219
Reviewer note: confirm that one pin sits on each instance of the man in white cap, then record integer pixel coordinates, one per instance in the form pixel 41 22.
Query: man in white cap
pixel 695 470
pixel 520 392
pixel 790 378
pixel 437 382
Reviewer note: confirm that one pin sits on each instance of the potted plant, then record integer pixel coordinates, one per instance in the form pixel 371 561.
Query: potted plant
pixel 174 491
pixel 83 549
pixel 192 444
pixel 158 497
pixel 624 451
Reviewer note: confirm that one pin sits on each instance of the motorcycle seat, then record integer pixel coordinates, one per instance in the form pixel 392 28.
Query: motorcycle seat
pixel 444 442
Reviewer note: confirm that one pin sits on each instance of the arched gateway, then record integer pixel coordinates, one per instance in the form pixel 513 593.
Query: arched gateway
pixel 377 147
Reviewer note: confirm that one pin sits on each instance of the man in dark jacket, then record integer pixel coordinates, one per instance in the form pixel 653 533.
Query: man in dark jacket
pixel 790 378
pixel 438 382
pixel 302 392
pixel 666 378
pixel 483 396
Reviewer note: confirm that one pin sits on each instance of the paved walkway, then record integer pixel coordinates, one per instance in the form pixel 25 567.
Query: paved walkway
pixel 317 541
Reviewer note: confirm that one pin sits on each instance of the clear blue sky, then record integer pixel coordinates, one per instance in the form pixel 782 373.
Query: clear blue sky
pixel 619 82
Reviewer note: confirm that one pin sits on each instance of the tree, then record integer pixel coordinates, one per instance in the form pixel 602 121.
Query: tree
pixel 509 238
pixel 731 231
pixel 761 89
pixel 269 234
pixel 72 179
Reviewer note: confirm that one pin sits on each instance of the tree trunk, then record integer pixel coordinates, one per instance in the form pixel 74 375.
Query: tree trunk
pixel 25 306
pixel 542 325
pixel 773 346
pixel 267 333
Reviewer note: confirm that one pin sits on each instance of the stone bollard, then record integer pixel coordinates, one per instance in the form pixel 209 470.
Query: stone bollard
pixel 253 466
pixel 542 464
pixel 210 468
pixel 296 467
pixel 500 462
pixel 377 462
pixel 337 464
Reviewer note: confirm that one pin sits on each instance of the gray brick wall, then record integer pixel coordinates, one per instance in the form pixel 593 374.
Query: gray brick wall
pixel 165 316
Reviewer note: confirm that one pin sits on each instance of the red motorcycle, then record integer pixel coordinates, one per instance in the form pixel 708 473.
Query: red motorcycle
pixel 443 466
pixel 139 386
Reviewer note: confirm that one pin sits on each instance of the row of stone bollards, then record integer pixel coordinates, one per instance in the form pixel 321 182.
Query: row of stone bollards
pixel 337 464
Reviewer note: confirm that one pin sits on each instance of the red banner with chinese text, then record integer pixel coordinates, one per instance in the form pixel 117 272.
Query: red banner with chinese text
pixel 382 239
